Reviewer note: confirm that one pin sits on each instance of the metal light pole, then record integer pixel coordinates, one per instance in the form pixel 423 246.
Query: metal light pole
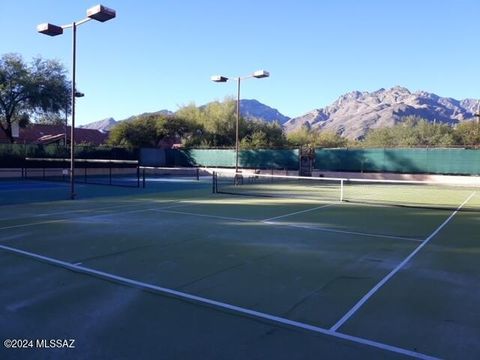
pixel 100 13
pixel 219 78
pixel 237 139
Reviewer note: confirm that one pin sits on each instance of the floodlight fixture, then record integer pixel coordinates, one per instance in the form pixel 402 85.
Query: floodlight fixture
pixel 101 13
pixel 259 74
pixel 219 78
pixel 49 29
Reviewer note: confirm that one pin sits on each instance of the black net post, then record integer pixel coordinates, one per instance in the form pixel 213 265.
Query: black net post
pixel 138 176
pixel 214 182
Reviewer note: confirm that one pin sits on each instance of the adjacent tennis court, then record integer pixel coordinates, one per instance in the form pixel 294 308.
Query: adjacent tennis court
pixel 288 270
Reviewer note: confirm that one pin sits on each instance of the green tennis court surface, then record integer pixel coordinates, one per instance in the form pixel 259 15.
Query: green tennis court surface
pixel 174 271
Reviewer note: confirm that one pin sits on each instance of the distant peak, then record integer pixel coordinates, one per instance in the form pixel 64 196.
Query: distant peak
pixel 352 95
pixel 399 88
pixel 253 101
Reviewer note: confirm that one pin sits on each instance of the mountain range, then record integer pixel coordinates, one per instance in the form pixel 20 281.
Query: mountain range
pixel 352 115
pixel 248 108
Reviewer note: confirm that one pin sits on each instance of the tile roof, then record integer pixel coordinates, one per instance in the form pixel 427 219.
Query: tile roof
pixel 46 134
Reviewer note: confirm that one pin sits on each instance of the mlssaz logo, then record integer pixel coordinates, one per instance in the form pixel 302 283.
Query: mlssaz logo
pixel 56 343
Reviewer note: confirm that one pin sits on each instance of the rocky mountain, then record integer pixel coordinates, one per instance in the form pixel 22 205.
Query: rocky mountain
pixel 102 125
pixel 161 112
pixel 255 109
pixel 353 114
pixel 248 109
pixel 108 123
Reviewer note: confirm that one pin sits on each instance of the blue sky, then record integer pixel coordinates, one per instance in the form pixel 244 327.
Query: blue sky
pixel 160 54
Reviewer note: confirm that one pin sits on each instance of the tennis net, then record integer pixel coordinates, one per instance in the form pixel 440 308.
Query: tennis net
pixel 152 173
pixel 88 171
pixel 389 192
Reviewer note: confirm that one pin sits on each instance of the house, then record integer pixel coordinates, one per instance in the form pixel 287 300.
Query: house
pixel 56 134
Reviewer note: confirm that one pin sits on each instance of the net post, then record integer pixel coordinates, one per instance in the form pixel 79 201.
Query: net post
pixel 138 176
pixel 85 173
pixel 341 190
pixel 110 174
pixel 143 177
pixel 197 173
pixel 214 182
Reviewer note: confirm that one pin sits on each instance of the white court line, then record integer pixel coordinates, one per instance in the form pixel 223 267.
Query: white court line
pixel 32 224
pixel 139 203
pixel 42 189
pixel 110 214
pixel 203 215
pixel 88 210
pixel 73 219
pixel 288 225
pixel 382 282
pixel 300 212
pixel 216 304
pixel 319 228
pixel 87 202
pixel 179 203
pixel 88 216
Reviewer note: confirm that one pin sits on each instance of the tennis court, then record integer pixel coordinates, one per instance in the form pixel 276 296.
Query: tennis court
pixel 173 270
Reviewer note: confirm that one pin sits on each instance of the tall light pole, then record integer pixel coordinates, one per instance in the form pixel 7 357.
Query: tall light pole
pixel 100 13
pixel 219 78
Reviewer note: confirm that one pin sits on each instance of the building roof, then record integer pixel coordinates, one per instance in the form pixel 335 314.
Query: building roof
pixel 47 134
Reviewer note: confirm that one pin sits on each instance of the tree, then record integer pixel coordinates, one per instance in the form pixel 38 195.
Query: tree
pixel 259 134
pixel 315 138
pixel 467 133
pixel 38 90
pixel 150 130
pixel 428 134
pixel 217 121
pixel 382 137
pixel 52 119
pixel 216 127
pixel 133 134
pixel 412 131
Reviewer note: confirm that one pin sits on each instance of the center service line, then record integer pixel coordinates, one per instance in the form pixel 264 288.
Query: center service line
pixel 382 282
pixel 299 212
